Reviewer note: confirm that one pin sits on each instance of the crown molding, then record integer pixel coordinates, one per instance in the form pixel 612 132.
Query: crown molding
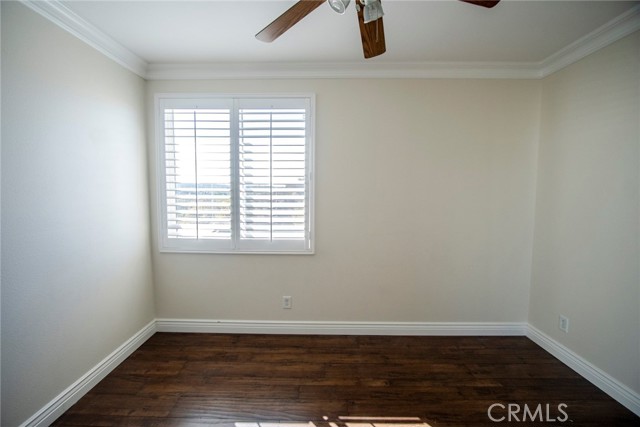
pixel 612 31
pixel 343 70
pixel 68 20
pixel 603 36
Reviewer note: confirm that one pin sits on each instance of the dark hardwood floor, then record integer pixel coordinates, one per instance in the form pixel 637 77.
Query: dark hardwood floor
pixel 196 380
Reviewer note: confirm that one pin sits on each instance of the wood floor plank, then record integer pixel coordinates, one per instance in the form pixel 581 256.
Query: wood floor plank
pixel 224 380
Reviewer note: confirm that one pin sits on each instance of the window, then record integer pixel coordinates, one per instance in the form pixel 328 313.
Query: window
pixel 235 173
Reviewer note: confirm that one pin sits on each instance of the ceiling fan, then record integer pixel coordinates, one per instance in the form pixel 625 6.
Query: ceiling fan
pixel 369 18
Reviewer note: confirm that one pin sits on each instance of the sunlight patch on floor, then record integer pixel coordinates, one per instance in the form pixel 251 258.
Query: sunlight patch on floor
pixel 347 421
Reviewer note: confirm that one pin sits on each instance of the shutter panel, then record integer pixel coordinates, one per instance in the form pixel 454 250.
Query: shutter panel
pixel 197 151
pixel 272 174
pixel 235 173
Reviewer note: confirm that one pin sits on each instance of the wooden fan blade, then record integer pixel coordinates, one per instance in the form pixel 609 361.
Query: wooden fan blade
pixel 484 3
pixel 288 19
pixel 372 35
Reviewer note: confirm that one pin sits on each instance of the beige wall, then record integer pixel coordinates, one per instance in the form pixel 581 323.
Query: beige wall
pixel 586 235
pixel 424 209
pixel 76 275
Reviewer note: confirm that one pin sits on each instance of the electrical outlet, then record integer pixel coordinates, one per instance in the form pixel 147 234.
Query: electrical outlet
pixel 287 302
pixel 563 323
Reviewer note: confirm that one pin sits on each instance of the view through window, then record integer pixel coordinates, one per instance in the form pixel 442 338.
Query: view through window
pixel 236 174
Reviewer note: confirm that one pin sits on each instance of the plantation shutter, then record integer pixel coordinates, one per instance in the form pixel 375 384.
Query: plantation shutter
pixel 197 150
pixel 272 172
pixel 236 174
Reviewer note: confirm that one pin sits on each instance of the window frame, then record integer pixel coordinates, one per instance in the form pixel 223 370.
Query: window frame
pixel 234 245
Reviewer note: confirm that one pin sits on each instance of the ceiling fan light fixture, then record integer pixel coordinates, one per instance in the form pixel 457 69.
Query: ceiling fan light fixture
pixel 372 11
pixel 339 6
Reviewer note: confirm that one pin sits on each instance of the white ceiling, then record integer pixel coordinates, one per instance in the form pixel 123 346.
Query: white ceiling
pixel 219 31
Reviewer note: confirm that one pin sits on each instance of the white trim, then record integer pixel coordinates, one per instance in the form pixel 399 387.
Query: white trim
pixel 605 382
pixel 234 103
pixel 618 391
pixel 340 328
pixel 56 407
pixel 343 70
pixel 603 36
pixel 612 31
pixel 68 20
pixel 619 27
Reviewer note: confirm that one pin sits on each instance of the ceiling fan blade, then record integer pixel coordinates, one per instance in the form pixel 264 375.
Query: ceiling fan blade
pixel 484 3
pixel 372 35
pixel 288 19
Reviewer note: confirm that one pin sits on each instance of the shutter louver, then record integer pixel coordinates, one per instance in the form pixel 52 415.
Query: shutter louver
pixel 198 173
pixel 272 174
pixel 235 173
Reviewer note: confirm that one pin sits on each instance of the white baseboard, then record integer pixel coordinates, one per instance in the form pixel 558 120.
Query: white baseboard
pixel 56 407
pixel 50 412
pixel 74 392
pixel 614 388
pixel 339 328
